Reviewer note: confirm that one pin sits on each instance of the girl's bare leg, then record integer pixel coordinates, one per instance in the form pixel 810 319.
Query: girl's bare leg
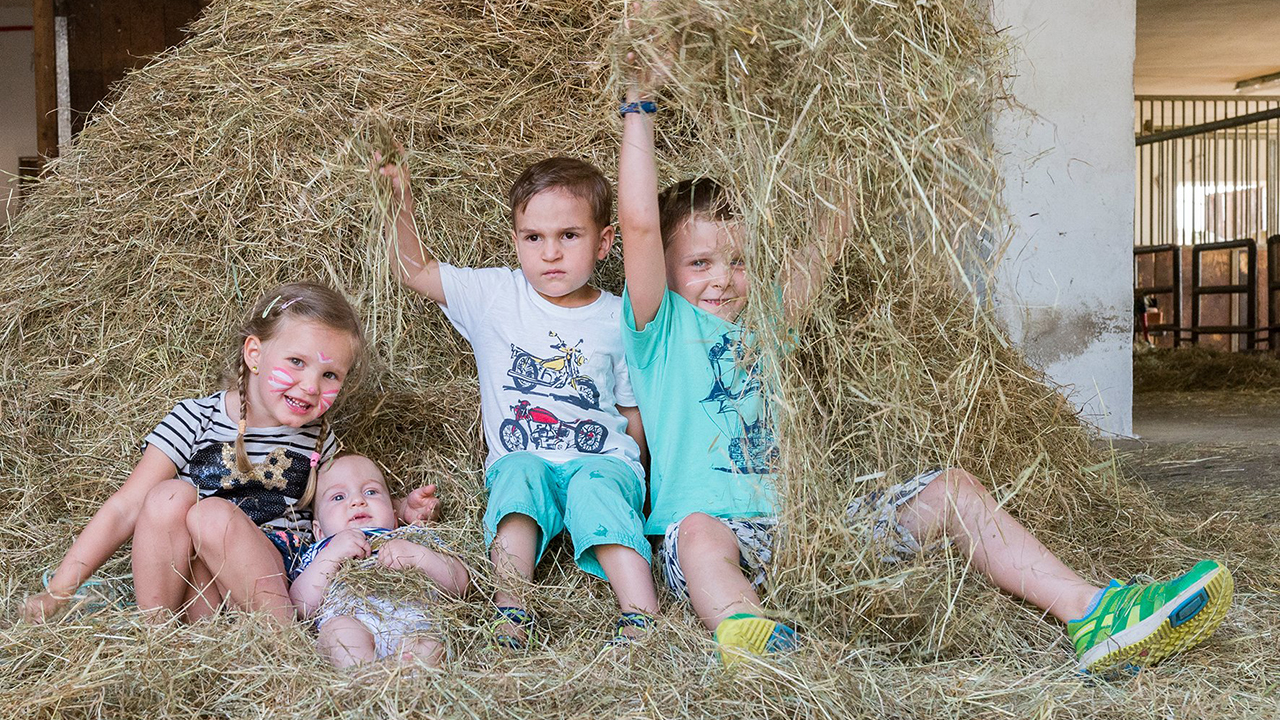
pixel 163 548
pixel 202 599
pixel 244 564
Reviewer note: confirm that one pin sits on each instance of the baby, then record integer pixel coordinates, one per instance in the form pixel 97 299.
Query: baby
pixel 354 519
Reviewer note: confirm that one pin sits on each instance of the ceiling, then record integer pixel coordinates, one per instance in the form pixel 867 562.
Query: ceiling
pixel 1203 47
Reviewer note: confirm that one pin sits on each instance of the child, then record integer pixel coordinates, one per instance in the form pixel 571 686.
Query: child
pixel 558 413
pixel 711 491
pixel 354 518
pixel 216 507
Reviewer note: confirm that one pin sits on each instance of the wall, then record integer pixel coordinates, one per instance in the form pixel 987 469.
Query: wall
pixel 1064 287
pixel 107 38
pixel 18 88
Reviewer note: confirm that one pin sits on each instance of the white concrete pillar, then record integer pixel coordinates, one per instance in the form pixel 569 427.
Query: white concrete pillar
pixel 1064 286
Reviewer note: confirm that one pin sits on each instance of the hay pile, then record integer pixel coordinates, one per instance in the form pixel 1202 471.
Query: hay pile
pixel 1194 369
pixel 238 160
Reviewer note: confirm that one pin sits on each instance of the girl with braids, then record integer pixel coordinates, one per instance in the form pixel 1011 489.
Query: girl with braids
pixel 218 507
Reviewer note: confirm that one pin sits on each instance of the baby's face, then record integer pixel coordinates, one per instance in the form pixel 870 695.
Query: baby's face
pixel 351 493
pixel 705 267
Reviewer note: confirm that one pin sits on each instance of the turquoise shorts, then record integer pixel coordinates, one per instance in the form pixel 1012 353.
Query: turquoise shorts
pixel 597 499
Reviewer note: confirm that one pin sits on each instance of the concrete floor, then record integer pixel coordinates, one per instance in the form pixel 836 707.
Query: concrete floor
pixel 1209 418
pixel 1209 452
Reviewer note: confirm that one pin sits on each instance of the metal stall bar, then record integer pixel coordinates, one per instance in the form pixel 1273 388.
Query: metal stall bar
pixel 1172 323
pixel 1273 292
pixel 1208 127
pixel 1248 288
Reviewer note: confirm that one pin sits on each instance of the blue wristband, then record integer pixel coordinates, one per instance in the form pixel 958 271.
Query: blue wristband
pixel 648 107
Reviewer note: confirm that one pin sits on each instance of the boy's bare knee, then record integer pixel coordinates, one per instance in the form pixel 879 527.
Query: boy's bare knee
pixel 702 530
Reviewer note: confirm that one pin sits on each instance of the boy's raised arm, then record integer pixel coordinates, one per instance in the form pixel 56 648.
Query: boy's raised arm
pixel 808 270
pixel 412 264
pixel 638 220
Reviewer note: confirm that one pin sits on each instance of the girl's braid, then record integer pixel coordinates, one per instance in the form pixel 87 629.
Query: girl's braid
pixel 242 385
pixel 315 462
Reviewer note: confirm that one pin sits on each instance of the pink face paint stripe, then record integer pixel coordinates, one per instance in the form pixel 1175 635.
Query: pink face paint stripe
pixel 326 399
pixel 280 380
pixel 325 358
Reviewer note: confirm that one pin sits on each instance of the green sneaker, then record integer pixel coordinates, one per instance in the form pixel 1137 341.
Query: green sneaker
pixel 742 634
pixel 1143 624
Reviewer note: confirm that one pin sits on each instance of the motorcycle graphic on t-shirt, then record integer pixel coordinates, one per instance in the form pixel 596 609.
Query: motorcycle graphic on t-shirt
pixel 539 426
pixel 548 432
pixel 735 405
pixel 562 371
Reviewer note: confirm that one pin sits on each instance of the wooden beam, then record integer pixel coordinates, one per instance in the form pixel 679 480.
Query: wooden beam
pixel 46 80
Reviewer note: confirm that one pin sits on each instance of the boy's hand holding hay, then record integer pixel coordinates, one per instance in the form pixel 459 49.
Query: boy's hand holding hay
pixel 411 264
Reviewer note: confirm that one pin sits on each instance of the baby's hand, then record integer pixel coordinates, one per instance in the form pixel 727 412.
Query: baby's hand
pixel 420 506
pixel 347 544
pixel 399 554
pixel 40 607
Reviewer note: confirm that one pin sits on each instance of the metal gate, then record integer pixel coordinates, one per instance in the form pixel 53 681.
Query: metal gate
pixel 1208 174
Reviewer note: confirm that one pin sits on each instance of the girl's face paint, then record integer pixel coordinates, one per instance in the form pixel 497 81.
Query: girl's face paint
pixel 327 399
pixel 280 380
pixel 296 387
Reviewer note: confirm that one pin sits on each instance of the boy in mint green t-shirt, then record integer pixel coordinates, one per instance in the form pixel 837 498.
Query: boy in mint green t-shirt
pixel 695 356
pixel 711 449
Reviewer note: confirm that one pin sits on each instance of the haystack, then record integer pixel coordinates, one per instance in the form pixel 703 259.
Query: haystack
pixel 1197 369
pixel 239 159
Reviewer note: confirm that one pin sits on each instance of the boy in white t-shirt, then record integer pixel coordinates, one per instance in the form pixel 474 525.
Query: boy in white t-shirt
pixel 558 411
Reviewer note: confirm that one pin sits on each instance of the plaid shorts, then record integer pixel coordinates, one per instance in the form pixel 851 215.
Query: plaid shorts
pixel 755 551
pixel 873 518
